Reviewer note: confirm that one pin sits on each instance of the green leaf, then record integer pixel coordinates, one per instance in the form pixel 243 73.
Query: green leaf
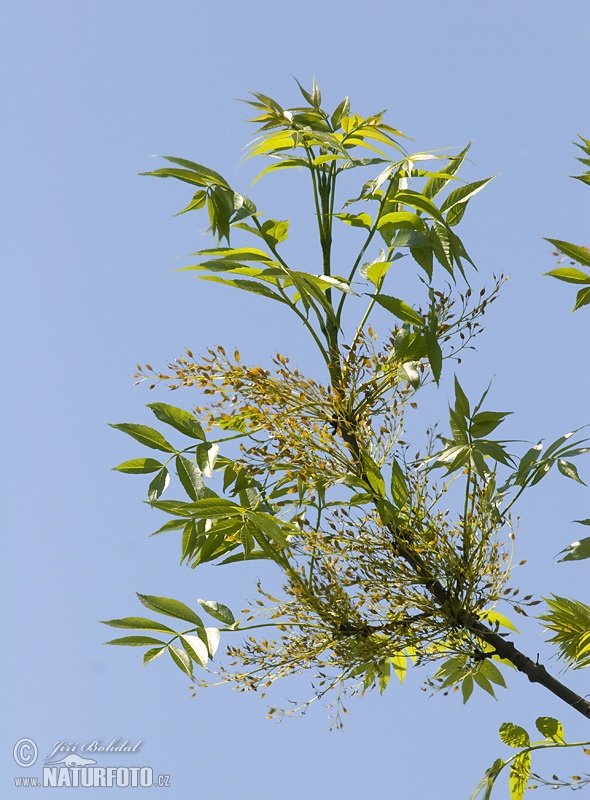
pixel 152 654
pixel 455 214
pixel 281 140
pixel 490 671
pixel 494 450
pixel 569 275
pixel 463 194
pixel 435 185
pixel 214 508
pixel 179 419
pixel 453 458
pixel 387 511
pixel 238 254
pixel 275 231
pixel 316 95
pixel 243 207
pixel 399 308
pixel 158 485
pixel 139 466
pixel 570 621
pixel 409 372
pixel 441 246
pixel 554 447
pixel 582 298
pixel 313 286
pixel 574 251
pixel 170 607
pixel 419 201
pixel 147 436
pixel 356 220
pixel 290 162
pixel 486 421
pixel 370 671
pixel 215 265
pixel 220 539
pixel 265 103
pixel 576 551
pixel 206 458
pixel 458 426
pixel 457 250
pixel 373 474
pixel 399 662
pixel 423 257
pixel 190 540
pixel 452 671
pixel 138 623
pixel 268 525
pixel 551 728
pixel 483 683
pixel 182 660
pixel 178 508
pixel 399 486
pixel 478 462
pixel 196 649
pixel 467 688
pixel 330 157
pixel 217 610
pixel 376 270
pixel 220 207
pixel 205 173
pixel 569 470
pixel 329 281
pixel 461 401
pixel 213 637
pixel 247 538
pixel 435 356
pixel 172 525
pixel 342 110
pixel 136 641
pixel 513 735
pixel 245 285
pixel 198 201
pixel 527 464
pixel 190 476
pixel 253 555
pixel 383 676
pixel 519 775
pixel 204 178
pixel 487 782
pixel 402 220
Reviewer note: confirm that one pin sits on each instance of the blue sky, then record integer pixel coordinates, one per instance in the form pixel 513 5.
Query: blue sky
pixel 91 91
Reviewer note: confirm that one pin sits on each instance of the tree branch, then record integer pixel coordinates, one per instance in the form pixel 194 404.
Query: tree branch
pixel 535 672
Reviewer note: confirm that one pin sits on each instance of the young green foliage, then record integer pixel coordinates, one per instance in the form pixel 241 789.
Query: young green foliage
pixel 520 776
pixel 382 567
pixel 577 253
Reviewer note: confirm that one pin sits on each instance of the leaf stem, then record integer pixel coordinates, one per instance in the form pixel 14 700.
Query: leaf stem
pixel 288 300
pixel 362 251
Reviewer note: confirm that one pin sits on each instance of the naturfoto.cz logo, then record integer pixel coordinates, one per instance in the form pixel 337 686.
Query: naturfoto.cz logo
pixel 65 766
